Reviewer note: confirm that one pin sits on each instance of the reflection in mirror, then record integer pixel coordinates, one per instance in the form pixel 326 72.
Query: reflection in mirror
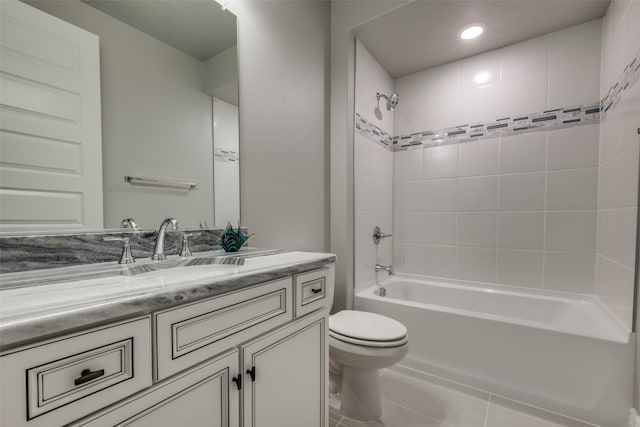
pixel 165 67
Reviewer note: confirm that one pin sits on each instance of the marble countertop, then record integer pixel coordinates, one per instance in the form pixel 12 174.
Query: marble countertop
pixel 44 304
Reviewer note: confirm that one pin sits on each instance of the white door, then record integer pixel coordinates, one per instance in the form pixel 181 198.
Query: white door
pixel 50 131
pixel 289 370
pixel 201 397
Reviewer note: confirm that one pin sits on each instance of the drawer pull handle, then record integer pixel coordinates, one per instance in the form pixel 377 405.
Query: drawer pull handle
pixel 86 375
pixel 316 291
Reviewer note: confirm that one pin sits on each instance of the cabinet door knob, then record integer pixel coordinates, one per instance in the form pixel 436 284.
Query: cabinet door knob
pixel 252 373
pixel 86 375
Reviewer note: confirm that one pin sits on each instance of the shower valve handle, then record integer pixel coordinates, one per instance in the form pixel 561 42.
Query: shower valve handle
pixel 379 235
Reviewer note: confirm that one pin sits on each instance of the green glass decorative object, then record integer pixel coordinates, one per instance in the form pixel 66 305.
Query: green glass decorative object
pixel 231 241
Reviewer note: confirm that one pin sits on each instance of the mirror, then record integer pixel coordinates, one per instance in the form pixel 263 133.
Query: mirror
pixel 169 108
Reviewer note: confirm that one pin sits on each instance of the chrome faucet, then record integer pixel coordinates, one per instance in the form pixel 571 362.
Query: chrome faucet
pixel 158 249
pixel 387 268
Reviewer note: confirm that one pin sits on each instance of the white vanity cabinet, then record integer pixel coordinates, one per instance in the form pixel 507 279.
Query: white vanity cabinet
pixel 253 357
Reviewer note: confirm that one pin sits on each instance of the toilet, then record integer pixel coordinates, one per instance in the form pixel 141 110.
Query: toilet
pixel 360 344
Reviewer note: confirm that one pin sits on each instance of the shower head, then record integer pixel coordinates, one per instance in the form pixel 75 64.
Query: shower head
pixel 392 100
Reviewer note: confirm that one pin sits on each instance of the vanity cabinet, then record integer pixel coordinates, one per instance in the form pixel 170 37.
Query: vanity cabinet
pixel 247 358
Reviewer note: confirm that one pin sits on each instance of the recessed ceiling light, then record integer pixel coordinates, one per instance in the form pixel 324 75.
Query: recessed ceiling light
pixel 471 31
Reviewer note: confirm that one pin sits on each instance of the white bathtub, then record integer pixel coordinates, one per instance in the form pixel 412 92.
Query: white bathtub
pixel 561 352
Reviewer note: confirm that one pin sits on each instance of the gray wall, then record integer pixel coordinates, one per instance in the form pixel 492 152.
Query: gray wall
pixel 283 60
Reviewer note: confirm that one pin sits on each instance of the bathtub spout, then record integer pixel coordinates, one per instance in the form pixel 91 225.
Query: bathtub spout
pixel 388 269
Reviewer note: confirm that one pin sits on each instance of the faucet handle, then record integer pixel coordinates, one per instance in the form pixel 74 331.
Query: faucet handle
pixel 126 257
pixel 186 250
pixel 379 235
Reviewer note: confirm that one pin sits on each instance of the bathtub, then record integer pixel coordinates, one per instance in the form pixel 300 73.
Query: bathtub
pixel 562 352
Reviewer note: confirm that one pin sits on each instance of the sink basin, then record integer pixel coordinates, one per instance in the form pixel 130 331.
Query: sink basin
pixel 135 270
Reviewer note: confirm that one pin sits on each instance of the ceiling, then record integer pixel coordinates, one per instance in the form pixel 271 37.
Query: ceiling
pixel 197 27
pixel 424 33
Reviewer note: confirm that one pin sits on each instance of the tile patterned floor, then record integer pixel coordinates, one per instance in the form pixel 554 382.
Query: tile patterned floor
pixel 415 399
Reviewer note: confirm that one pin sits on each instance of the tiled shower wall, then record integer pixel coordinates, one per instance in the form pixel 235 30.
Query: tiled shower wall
pixel 619 158
pixel 373 168
pixel 516 210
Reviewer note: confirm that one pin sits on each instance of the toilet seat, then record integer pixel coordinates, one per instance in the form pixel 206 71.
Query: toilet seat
pixel 367 329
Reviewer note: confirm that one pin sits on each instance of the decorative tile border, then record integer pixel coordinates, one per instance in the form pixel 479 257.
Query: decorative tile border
pixel 373 133
pixel 558 118
pixel 546 120
pixel 630 75
pixel 226 156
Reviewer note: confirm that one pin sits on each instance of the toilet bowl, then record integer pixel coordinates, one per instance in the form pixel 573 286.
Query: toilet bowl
pixel 360 344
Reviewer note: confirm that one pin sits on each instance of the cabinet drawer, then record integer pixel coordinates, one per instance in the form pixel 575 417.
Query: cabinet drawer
pixel 314 290
pixel 190 334
pixel 71 377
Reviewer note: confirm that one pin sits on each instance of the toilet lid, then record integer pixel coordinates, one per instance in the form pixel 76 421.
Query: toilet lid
pixel 365 326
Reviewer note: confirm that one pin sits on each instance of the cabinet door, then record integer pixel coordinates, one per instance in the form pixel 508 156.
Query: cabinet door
pixel 289 368
pixel 204 396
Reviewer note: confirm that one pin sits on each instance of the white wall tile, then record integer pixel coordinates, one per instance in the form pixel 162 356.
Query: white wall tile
pixel 627 185
pixel 408 114
pixel 439 261
pixel 478 158
pixel 439 195
pixel 477 194
pixel 478 229
pixel 439 229
pixel 477 264
pixel 632 29
pixel 363 192
pixel 364 223
pixel 407 165
pixel 605 276
pixel 626 251
pixel 370 79
pixel 622 303
pixel 407 196
pixel 520 268
pixel 365 260
pixel 576 44
pixel 381 198
pixel 575 147
pixel 571 231
pixel 407 258
pixel 610 237
pixel 440 80
pixel 521 230
pixel 479 70
pixel 523 95
pixel 407 228
pixel 569 272
pixel 574 85
pixel 440 162
pixel 478 105
pixel 440 111
pixel 524 58
pixel 572 189
pixel 523 153
pixel 522 192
